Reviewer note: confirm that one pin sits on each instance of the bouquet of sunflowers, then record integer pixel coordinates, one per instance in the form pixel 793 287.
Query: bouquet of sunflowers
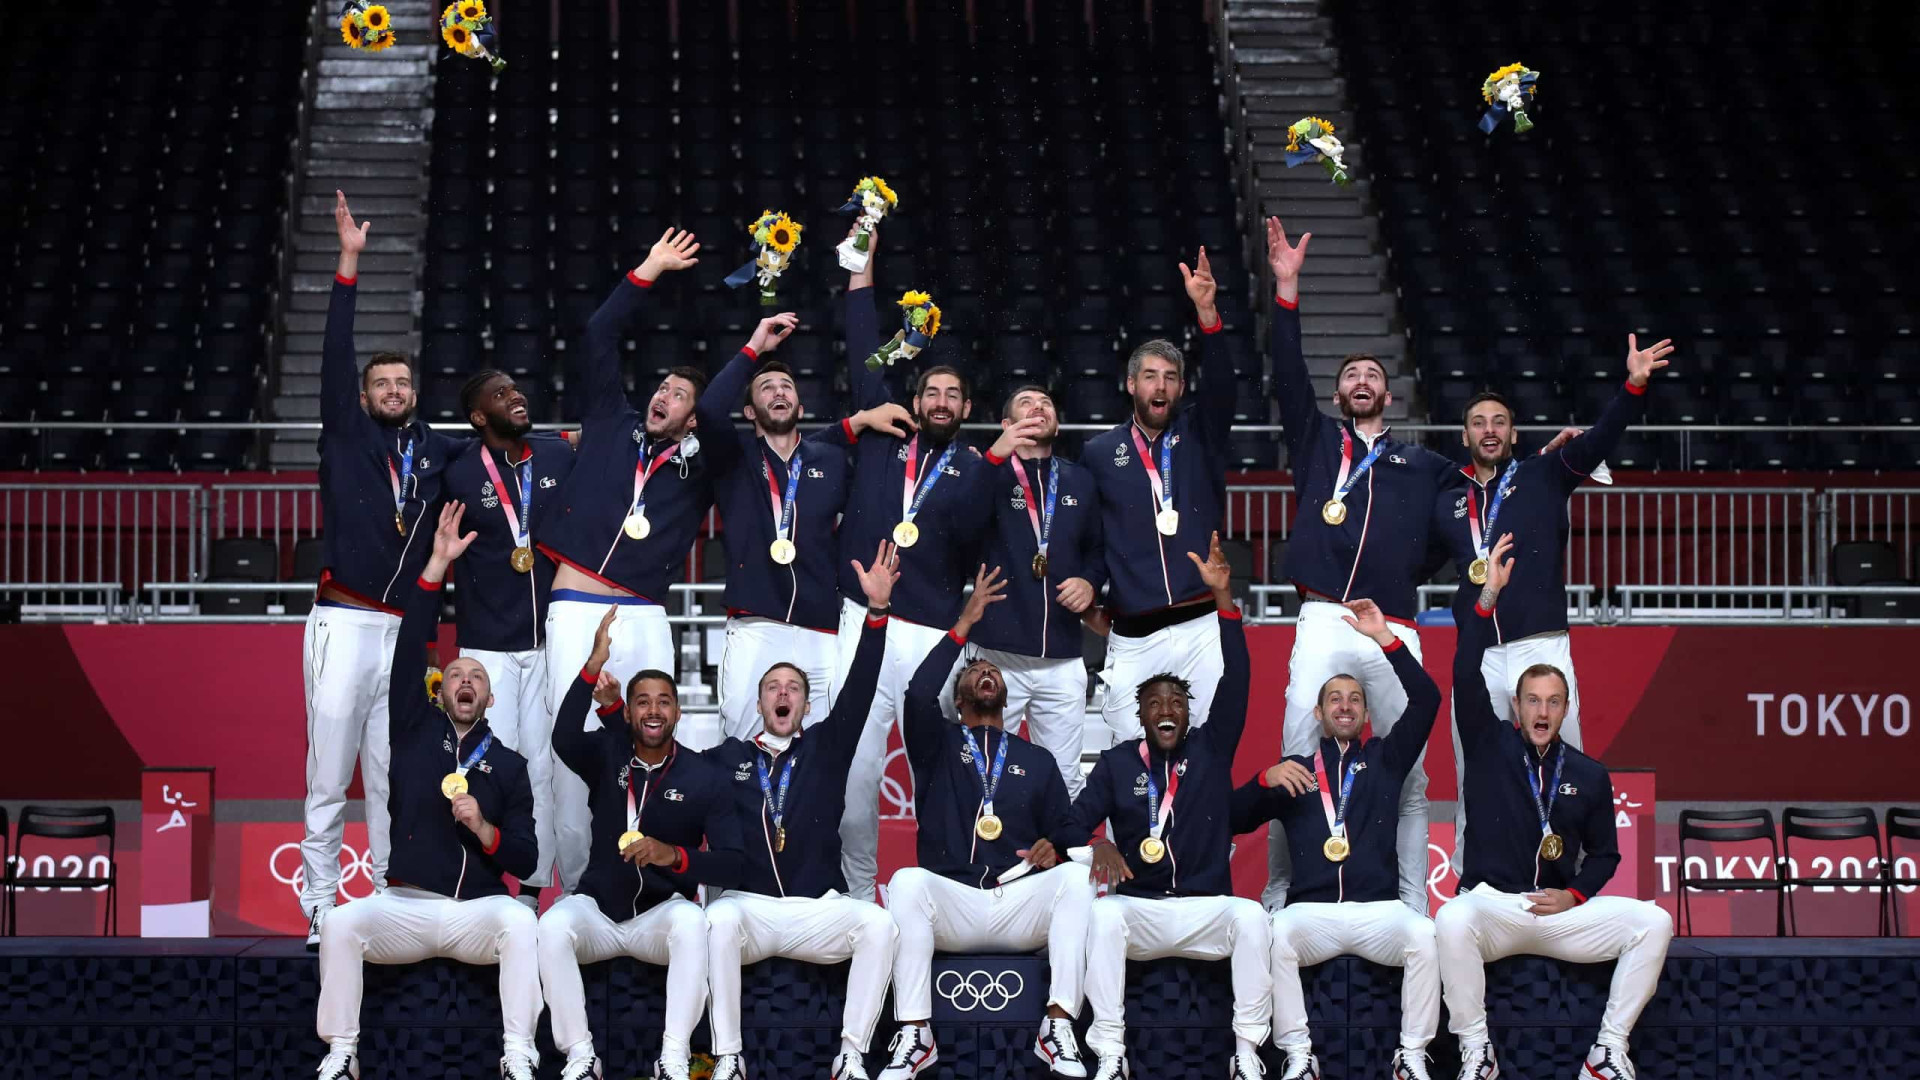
pixel 777 235
pixel 919 325
pixel 434 679
pixel 1509 90
pixel 872 200
pixel 468 30
pixel 1311 139
pixel 366 26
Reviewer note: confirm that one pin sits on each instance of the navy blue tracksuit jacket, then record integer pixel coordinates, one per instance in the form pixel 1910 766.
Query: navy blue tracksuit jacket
pixel 1199 837
pixel 1380 767
pixel 1380 549
pixel 1535 512
pixel 1031 620
pixel 498 608
pixel 1147 571
pixel 364 555
pixel 431 850
pixel 802 592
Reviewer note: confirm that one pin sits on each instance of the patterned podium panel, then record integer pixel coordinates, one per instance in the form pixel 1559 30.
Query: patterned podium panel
pixel 243 1009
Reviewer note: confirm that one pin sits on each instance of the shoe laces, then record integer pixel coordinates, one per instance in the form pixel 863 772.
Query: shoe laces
pixel 1618 1062
pixel 728 1067
pixel 1247 1063
pixel 1474 1064
pixel 516 1067
pixel 1061 1032
pixel 335 1064
pixel 1111 1068
pixel 850 1065
pixel 905 1042
pixel 1412 1062
pixel 1299 1063
pixel 577 1069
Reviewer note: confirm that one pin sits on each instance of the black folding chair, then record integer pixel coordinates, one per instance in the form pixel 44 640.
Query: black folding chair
pixel 1725 827
pixel 1902 822
pixel 66 823
pixel 1832 824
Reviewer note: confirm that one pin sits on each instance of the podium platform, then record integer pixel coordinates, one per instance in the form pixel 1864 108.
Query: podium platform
pixel 242 1008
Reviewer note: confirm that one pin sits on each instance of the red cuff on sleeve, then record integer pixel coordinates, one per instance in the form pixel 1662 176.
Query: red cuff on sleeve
pixel 346 280
pixel 639 281
pixel 751 355
pixel 495 846
pixel 1234 614
pixel 610 709
pixel 852 435
pixel 1578 897
pixel 680 864
pixel 957 636
pixel 1293 305
pixel 432 586
pixel 1480 611
pixel 1397 643
pixel 588 677
pixel 1636 391
pixel 991 460
pixel 1263 779
pixel 1215 328
pixel 875 622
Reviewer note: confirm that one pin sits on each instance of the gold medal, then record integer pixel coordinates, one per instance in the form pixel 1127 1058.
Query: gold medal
pixel 780 838
pixel 1167 521
pixel 453 785
pixel 522 559
pixel 1477 571
pixel 630 838
pixel 1153 849
pixel 1336 849
pixel 1552 847
pixel 988 827
pixel 782 551
pixel 1333 512
pixel 906 534
pixel 637 526
pixel 399 523
pixel 1040 567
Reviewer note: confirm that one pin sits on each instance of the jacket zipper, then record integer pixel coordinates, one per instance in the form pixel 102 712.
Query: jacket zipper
pixel 462 879
pixel 1365 522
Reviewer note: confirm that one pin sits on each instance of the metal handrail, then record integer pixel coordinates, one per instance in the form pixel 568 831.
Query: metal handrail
pixel 1414 427
pixel 1815 614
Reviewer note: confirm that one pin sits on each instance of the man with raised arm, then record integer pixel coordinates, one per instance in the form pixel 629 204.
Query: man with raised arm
pixel 380 474
pixel 1167 799
pixel 1046 531
pixel 924 492
pixel 789 790
pixel 1365 507
pixel 663 824
pixel 1340 807
pixel 987 877
pixel 1162 477
pixel 1528 497
pixel 462 817
pixel 511 477
pixel 1540 846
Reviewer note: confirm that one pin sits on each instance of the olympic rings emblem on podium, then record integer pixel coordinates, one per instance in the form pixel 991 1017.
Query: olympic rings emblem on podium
pixel 354 865
pixel 979 989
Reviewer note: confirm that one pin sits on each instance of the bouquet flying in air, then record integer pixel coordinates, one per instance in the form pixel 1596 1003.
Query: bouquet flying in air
pixel 920 322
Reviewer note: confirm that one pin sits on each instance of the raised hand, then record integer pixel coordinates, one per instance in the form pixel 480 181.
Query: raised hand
pixel 602 641
pixel 448 544
pixel 353 238
pixel 1201 288
pixel 772 331
pixel 675 250
pixel 1642 363
pixel 1285 258
pixel 1021 436
pixel 988 588
pixel 606 690
pixel 1215 571
pixel 886 419
pixel 1368 619
pixel 877 581
pixel 1499 570
pixel 1566 434
pixel 1292 776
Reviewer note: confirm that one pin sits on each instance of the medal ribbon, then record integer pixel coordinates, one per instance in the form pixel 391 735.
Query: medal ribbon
pixel 913 494
pixel 519 524
pixel 1162 480
pixel 1493 508
pixel 478 752
pixel 776 808
pixel 1042 524
pixel 1545 809
pixel 1336 816
pixel 643 471
pixel 783 507
pixel 403 481
pixel 1344 483
pixel 635 809
pixel 1159 807
pixel 987 785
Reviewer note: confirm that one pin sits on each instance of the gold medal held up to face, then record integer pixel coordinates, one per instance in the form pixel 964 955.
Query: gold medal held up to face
pixel 988 827
pixel 1477 571
pixel 1333 512
pixel 1153 849
pixel 1552 847
pixel 453 785
pixel 1336 849
pixel 630 838
pixel 1167 521
pixel 782 551
pixel 522 559
pixel 906 534
pixel 636 526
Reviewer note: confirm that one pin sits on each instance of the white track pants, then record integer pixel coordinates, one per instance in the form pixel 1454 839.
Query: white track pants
pixel 641 639
pixel 1486 924
pixel 575 931
pixel 347 660
pixel 1501 668
pixel 1325 646
pixel 1047 908
pixel 1190 650
pixel 1196 927
pixel 746 928
pixel 521 720
pixel 907 645
pixel 753 646
pixel 1050 697
pixel 1383 931
pixel 406 926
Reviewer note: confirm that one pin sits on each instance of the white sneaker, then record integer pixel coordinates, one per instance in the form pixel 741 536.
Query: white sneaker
pixel 1246 1066
pixel 666 1070
pixel 516 1067
pixel 730 1067
pixel 1410 1065
pixel 585 1068
pixel 1056 1046
pixel 314 919
pixel 1478 1063
pixel 912 1052
pixel 339 1064
pixel 1110 1068
pixel 1607 1063
pixel 1301 1065
pixel 849 1066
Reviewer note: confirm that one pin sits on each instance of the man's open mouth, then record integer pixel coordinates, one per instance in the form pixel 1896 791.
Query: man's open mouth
pixel 783 711
pixel 1491 446
pixel 1167 727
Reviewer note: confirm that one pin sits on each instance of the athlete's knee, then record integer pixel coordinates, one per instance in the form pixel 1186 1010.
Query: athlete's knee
pixel 1419 938
pixel 687 922
pixel 1651 922
pixel 1455 927
pixel 907 892
pixel 1106 921
pixel 724 923
pixel 1282 929
pixel 1250 921
pixel 556 932
pixel 875 927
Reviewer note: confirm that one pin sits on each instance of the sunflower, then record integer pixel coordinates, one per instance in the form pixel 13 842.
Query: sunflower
pixel 914 298
pixel 472 10
pixel 933 321
pixel 349 31
pixel 885 191
pixel 784 234
pixel 434 679
pixel 376 17
pixel 374 45
pixel 457 37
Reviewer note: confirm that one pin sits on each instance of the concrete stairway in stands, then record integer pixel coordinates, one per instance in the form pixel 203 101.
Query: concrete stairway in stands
pixel 1281 53
pixel 371 122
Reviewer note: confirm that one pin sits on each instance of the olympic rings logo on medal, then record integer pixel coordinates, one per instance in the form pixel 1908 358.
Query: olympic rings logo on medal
pixel 353 865
pixel 979 989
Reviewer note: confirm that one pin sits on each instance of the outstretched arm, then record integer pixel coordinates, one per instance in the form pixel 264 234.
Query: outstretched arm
pixel 1409 735
pixel 1472 708
pixel 596 687
pixel 1092 806
pixel 843 725
pixel 408 704
pixel 1584 453
pixel 1227 716
pixel 924 724
pixel 863 334
pixel 1212 366
pixel 593 376
pixel 1292 383
pixel 339 370
pixel 1268 795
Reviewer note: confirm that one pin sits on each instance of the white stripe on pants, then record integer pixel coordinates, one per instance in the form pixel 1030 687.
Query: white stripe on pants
pixel 1383 931
pixel 1325 646
pixel 641 639
pixel 347 659
pixel 1127 928
pixel 1500 668
pixel 575 931
pixel 1050 697
pixel 520 718
pixel 746 928
pixel 907 645
pixel 1190 650
pixel 406 926
pixel 754 645
pixel 1487 924
pixel 1043 908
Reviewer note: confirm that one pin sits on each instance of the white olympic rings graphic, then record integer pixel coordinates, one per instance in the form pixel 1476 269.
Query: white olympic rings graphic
pixel 1438 872
pixel 979 989
pixel 354 865
pixel 896 799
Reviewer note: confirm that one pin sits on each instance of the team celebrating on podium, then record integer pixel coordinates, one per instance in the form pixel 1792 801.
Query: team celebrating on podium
pixel 884 578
